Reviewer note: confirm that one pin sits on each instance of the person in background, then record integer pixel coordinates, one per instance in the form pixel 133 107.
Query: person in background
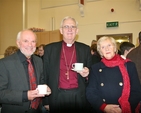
pixel 36 52
pixel 93 42
pixel 95 55
pixel 20 73
pixel 125 48
pixel 119 52
pixel 10 50
pixel 135 56
pixel 68 86
pixel 113 85
pixel 41 50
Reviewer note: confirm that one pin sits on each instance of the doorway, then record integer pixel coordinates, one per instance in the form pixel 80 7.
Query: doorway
pixel 127 37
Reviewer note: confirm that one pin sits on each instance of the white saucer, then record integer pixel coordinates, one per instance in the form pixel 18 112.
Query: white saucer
pixel 76 70
pixel 45 93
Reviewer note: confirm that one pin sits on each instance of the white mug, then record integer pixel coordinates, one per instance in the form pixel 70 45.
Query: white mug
pixel 42 89
pixel 77 66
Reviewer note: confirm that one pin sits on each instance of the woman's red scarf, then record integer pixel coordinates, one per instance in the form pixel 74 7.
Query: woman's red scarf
pixel 123 100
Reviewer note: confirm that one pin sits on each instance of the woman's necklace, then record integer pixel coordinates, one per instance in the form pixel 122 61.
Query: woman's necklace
pixel 68 66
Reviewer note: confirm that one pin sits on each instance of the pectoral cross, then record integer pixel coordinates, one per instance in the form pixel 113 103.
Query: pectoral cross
pixel 67 74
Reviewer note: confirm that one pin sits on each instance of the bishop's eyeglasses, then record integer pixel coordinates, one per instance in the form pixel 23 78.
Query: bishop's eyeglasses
pixel 66 27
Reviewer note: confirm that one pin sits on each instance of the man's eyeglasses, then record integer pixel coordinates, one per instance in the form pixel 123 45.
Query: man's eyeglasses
pixel 69 27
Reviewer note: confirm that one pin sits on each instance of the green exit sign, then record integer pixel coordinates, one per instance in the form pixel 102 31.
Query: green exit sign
pixel 111 24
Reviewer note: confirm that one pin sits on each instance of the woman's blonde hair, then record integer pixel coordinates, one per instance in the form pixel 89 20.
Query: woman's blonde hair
pixel 10 50
pixel 103 39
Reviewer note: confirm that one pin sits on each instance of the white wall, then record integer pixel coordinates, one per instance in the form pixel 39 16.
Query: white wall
pixel 96 14
pixel 1 56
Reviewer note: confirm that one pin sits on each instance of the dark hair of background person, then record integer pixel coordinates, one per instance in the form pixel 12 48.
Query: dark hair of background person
pixel 36 51
pixel 94 49
pixel 140 37
pixel 119 52
pixel 42 45
pixel 93 42
pixel 10 50
pixel 126 46
pixel 95 55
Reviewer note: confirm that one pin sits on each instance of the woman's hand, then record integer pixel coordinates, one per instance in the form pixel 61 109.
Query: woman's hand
pixel 112 108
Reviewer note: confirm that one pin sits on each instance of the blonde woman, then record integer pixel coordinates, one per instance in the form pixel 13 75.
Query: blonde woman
pixel 10 50
pixel 114 85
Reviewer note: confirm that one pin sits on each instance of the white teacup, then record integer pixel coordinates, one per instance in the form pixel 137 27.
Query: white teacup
pixel 42 89
pixel 77 66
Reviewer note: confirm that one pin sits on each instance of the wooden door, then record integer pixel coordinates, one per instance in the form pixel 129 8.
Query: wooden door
pixel 44 37
pixel 55 36
pixel 38 38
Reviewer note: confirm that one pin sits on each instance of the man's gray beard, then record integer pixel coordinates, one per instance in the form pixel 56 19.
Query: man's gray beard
pixel 27 55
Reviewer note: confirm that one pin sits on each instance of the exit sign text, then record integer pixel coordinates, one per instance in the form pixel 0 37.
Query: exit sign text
pixel 111 24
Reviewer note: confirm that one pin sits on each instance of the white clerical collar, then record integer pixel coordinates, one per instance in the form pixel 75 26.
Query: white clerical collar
pixel 69 45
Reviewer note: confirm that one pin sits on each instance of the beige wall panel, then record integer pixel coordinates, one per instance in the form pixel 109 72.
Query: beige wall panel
pixel 10 22
pixel 32 13
pixel 57 3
